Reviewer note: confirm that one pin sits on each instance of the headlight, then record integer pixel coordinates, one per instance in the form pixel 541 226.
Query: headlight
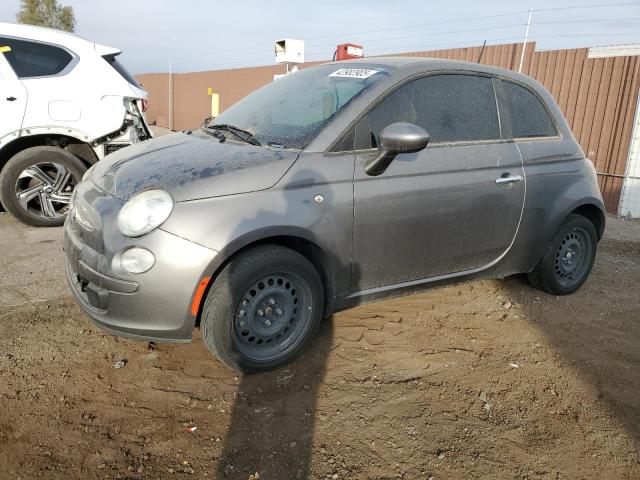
pixel 144 212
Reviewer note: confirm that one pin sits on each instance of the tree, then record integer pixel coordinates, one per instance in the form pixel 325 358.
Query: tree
pixel 46 13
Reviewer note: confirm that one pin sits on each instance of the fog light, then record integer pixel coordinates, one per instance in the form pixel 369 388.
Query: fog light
pixel 137 260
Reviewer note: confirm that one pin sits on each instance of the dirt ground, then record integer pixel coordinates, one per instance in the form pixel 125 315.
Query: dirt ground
pixel 488 379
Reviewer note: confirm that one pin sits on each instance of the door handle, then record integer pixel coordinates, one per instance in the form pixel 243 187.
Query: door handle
pixel 11 99
pixel 509 180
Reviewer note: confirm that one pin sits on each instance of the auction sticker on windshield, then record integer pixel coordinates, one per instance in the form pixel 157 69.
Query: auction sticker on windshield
pixel 360 73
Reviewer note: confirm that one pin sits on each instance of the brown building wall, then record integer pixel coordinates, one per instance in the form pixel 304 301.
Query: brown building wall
pixel 191 101
pixel 597 96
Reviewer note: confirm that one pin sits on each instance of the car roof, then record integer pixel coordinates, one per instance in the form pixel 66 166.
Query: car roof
pixel 401 68
pixel 57 37
pixel 434 64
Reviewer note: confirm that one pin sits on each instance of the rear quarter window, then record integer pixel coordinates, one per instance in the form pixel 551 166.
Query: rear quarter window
pixel 34 59
pixel 529 117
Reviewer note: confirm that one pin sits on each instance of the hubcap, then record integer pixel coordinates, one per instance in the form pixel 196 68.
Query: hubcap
pixel 572 258
pixel 44 190
pixel 272 316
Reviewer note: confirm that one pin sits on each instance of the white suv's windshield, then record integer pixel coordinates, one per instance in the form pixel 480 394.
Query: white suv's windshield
pixel 292 110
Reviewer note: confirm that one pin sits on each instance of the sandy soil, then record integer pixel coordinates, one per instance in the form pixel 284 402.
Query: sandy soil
pixel 487 379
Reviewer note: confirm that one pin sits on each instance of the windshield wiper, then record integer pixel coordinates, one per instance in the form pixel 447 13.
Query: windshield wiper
pixel 244 135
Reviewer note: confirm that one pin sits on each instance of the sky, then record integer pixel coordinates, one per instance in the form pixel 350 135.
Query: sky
pixel 194 35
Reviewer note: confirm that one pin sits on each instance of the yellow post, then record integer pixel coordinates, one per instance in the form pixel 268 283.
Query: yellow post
pixel 215 102
pixel 5 49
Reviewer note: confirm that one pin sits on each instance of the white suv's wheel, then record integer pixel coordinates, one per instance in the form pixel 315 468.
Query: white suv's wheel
pixel 36 185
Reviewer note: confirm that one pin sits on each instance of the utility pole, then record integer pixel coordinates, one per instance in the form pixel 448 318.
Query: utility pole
pixel 170 96
pixel 524 44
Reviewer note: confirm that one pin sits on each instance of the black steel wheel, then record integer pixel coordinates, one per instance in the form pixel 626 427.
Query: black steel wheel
pixel 572 257
pixel 272 316
pixel 263 309
pixel 569 259
pixel 37 183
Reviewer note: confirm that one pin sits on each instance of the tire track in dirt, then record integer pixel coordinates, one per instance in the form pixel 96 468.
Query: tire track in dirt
pixel 409 388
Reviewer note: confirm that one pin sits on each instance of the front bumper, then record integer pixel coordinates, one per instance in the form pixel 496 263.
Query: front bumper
pixel 154 305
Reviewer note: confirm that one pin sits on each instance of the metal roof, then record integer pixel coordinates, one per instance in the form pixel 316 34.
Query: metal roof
pixel 624 50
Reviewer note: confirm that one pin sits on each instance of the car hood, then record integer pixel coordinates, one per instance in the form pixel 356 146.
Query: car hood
pixel 191 166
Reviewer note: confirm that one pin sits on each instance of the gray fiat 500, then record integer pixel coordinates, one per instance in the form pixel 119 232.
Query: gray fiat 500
pixel 336 185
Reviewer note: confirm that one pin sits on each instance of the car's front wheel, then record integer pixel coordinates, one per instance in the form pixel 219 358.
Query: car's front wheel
pixel 569 259
pixel 263 309
pixel 36 185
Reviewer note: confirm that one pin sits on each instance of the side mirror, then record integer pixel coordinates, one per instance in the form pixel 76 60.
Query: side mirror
pixel 394 139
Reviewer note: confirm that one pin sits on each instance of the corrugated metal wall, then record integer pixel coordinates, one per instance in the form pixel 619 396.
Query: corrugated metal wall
pixel 597 96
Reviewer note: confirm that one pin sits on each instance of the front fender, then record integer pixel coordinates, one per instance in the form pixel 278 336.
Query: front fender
pixel 263 234
pixel 287 216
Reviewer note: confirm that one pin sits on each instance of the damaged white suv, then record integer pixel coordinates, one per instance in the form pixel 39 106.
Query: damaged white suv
pixel 65 103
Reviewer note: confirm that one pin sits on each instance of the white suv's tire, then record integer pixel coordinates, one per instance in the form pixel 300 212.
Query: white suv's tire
pixel 36 185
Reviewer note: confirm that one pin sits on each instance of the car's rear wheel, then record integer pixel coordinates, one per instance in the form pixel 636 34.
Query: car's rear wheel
pixel 36 185
pixel 263 309
pixel 569 259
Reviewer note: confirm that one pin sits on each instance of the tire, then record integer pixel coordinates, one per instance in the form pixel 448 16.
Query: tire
pixel 263 309
pixel 44 177
pixel 568 261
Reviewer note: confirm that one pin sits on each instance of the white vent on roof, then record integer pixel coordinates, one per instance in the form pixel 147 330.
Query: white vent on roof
pixel 289 50
pixel 615 51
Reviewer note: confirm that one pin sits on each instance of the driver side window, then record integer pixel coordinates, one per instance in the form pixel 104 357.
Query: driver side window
pixel 450 107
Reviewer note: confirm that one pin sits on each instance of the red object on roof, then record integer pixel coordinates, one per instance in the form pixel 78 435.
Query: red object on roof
pixel 349 51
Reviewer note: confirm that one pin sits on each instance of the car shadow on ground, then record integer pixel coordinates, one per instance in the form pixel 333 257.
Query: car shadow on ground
pixel 273 418
pixel 602 346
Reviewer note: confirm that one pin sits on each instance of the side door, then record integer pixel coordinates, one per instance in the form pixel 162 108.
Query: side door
pixel 453 207
pixel 13 97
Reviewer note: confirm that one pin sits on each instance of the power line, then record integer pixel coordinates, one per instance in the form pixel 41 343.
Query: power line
pixel 599 20
pixel 559 22
pixel 587 6
pixel 485 17
pixel 415 48
pixel 430 24
pixel 313 46
pixel 513 25
pixel 424 48
pixel 421 25
pixel 436 34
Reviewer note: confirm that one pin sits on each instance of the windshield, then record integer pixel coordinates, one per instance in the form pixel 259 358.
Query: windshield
pixel 292 110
